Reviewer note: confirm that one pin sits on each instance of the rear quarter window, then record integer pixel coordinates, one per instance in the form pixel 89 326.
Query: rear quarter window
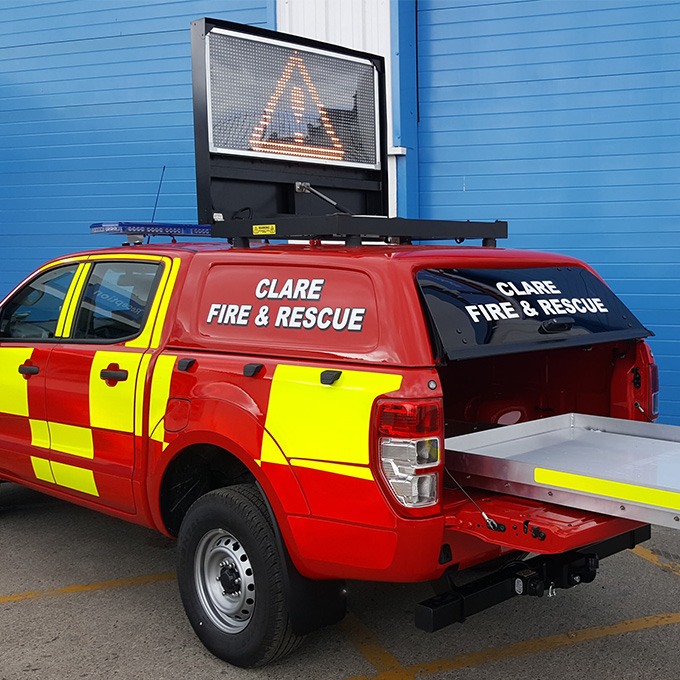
pixel 289 308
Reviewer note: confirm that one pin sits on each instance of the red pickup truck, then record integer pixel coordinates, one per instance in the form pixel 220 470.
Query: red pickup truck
pixel 283 411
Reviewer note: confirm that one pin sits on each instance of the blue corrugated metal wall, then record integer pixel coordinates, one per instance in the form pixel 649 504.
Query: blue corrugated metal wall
pixel 95 98
pixel 563 117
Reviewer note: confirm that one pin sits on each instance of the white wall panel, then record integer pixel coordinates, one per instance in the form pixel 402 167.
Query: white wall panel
pixel 357 24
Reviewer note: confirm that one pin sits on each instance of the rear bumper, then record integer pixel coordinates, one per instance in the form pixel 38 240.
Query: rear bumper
pixel 536 576
pixel 423 549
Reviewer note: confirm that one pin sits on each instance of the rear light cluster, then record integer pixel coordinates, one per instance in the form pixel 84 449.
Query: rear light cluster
pixel 409 446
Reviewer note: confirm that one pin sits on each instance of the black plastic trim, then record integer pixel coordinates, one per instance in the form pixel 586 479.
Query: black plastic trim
pixel 558 571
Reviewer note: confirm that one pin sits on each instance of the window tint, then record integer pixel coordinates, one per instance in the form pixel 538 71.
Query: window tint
pixel 32 313
pixel 115 300
pixel 479 312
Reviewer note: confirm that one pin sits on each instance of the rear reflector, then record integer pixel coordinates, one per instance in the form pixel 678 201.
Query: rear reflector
pixel 409 418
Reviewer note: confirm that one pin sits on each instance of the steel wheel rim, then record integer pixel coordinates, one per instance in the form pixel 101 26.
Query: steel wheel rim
pixel 225 581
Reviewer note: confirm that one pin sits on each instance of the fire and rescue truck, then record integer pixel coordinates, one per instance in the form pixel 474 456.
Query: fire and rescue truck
pixel 301 414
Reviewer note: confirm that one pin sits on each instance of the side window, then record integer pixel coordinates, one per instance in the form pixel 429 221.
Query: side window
pixel 115 301
pixel 32 313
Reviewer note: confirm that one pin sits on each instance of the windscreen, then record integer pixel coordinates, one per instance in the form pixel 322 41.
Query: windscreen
pixel 480 312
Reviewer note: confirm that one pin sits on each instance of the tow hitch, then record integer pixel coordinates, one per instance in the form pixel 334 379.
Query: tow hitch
pixel 530 577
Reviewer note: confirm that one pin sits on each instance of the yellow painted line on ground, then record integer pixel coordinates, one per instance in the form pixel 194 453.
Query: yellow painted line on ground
pixel 650 556
pixel 368 645
pixel 89 587
pixel 524 648
pixel 386 665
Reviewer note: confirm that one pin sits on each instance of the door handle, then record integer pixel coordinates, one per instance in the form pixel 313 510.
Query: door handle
pixel 251 370
pixel 186 364
pixel 329 377
pixel 27 369
pixel 113 375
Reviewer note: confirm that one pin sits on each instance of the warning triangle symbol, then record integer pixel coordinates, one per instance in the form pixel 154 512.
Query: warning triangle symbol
pixel 295 122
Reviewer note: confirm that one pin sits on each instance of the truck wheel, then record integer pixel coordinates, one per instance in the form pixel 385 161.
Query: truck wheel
pixel 231 580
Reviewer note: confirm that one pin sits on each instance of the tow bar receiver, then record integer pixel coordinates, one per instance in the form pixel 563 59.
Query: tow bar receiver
pixel 530 577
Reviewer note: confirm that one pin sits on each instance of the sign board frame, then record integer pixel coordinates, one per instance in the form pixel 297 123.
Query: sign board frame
pixel 235 184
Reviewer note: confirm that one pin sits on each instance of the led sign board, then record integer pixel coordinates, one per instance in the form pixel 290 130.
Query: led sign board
pixel 268 98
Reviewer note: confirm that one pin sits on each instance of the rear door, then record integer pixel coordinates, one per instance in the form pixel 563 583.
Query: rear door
pixel 96 377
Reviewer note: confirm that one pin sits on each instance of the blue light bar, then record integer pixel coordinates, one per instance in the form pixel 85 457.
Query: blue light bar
pixel 151 229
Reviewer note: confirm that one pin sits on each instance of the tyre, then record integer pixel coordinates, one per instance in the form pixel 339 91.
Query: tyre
pixel 231 578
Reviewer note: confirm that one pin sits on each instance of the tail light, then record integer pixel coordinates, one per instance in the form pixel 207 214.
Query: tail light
pixel 409 448
pixel 654 389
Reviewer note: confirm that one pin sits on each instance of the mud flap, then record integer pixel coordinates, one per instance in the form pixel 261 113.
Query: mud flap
pixel 312 603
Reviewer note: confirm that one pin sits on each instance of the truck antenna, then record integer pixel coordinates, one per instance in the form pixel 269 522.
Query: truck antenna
pixel 158 194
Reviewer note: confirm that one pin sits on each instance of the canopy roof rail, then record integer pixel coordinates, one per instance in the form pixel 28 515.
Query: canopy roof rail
pixel 353 229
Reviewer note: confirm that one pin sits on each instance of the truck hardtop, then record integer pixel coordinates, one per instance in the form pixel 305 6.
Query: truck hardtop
pixel 302 415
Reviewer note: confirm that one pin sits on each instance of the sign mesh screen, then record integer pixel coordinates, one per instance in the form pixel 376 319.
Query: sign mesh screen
pixel 283 101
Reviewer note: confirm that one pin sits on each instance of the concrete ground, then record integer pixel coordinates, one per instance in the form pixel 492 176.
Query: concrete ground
pixel 86 596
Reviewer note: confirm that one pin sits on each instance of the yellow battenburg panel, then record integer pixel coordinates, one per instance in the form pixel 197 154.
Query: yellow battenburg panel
pixel 335 468
pixel 42 469
pixel 112 407
pixel 68 309
pixel 603 487
pixel 71 439
pixel 271 453
pixel 325 422
pixel 40 433
pixel 160 393
pixel 139 393
pixel 76 478
pixel 14 393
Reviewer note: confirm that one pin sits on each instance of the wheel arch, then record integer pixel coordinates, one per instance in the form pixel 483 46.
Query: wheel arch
pixel 197 461
pixel 193 471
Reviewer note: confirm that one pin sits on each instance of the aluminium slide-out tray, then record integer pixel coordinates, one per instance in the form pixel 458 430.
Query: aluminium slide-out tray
pixel 607 465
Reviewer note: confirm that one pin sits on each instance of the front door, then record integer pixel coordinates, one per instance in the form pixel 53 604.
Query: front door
pixel 31 322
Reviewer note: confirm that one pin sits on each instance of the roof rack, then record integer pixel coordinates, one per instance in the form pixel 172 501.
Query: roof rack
pixel 353 229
